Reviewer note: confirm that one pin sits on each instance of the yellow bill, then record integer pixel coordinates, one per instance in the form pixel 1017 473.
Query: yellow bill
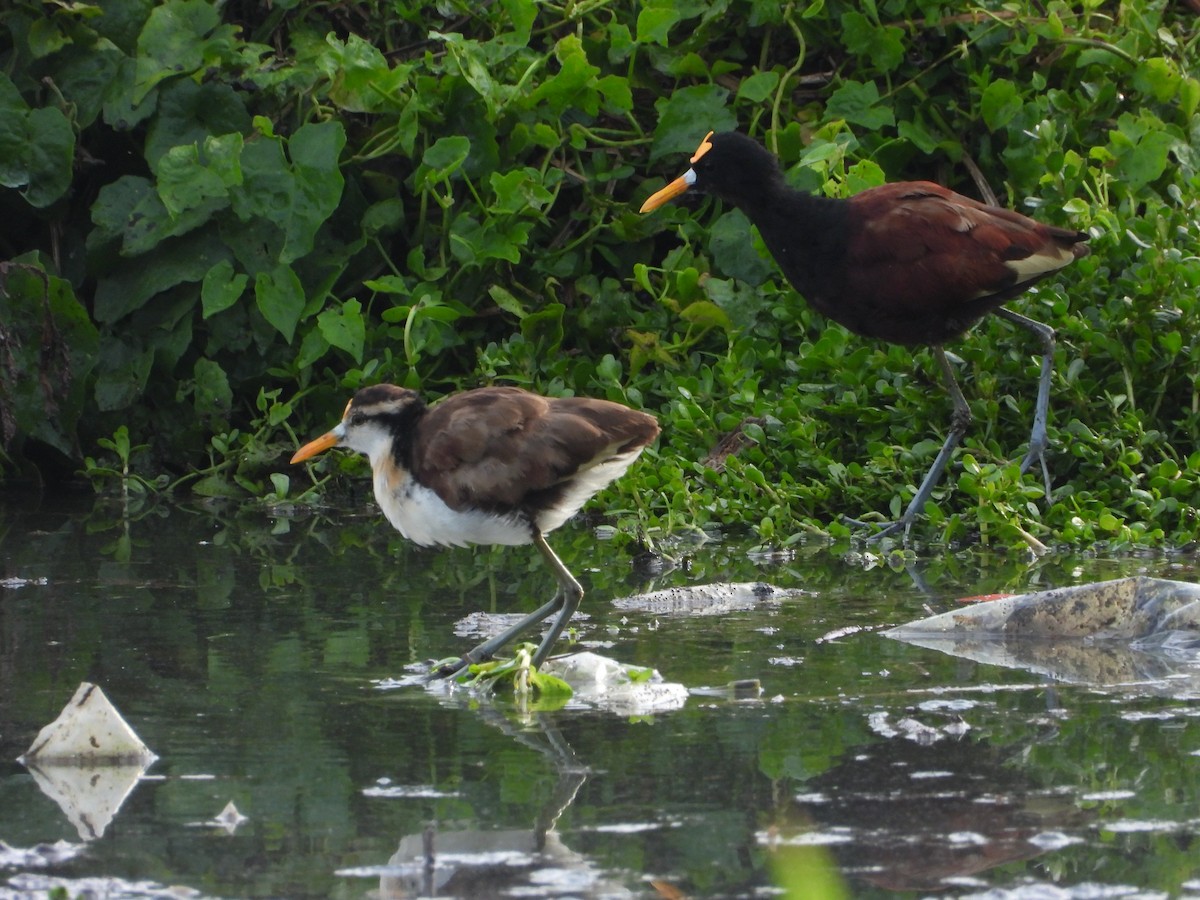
pixel 312 448
pixel 680 184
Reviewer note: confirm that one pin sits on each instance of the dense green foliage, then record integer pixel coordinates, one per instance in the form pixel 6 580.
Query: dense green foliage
pixel 220 220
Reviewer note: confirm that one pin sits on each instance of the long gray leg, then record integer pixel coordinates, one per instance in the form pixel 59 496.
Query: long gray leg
pixel 1038 442
pixel 569 591
pixel 565 602
pixel 960 420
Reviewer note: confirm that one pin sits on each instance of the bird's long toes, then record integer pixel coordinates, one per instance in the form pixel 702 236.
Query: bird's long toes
pixel 891 528
pixel 447 668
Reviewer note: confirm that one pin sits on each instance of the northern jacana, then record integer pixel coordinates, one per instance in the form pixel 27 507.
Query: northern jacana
pixel 911 263
pixel 496 465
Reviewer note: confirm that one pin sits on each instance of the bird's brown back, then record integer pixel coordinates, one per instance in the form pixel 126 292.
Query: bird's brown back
pixel 494 448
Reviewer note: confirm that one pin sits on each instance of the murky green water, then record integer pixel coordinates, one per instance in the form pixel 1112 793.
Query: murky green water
pixel 266 659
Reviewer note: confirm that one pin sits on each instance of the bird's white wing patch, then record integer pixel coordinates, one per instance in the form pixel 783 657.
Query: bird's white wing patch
pixel 584 484
pixel 1038 264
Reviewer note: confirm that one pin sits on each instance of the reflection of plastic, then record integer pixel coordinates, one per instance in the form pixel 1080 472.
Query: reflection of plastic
pixel 88 795
pixel 1108 632
pixel 88 760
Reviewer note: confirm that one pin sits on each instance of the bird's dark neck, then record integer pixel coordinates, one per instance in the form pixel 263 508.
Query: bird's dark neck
pixel 403 426
pixel 806 234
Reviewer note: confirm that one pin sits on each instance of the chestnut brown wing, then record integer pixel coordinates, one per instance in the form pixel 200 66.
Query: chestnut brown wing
pixel 493 448
pixel 927 262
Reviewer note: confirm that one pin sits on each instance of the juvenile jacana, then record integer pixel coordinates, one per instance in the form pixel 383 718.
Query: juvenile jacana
pixel 496 465
pixel 912 263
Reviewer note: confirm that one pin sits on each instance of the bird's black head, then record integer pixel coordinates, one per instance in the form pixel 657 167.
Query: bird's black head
pixel 728 165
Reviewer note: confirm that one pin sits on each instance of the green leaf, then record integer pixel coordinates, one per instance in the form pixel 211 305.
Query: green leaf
pixel 1140 145
pixel 477 63
pixel 858 104
pixel 344 328
pixel 522 14
pixel 654 24
pixel 1158 77
pixel 296 198
pixel 280 298
pixel 221 288
pixel 472 242
pixel 384 217
pixel 312 347
pixel 360 79
pixel 213 398
pixel 573 86
pixel 50 347
pixel 189 113
pixel 544 328
pixel 912 130
pixel 706 314
pixel 128 288
pixel 37 148
pixel 122 370
pixel 881 46
pixel 686 115
pixel 189 178
pixel 217 486
pixel 442 160
pixel 758 87
pixel 507 301
pixel 615 90
pixel 86 76
pixel 173 41
pixel 1189 97
pixel 733 249
pixel 1000 104
pixel 517 191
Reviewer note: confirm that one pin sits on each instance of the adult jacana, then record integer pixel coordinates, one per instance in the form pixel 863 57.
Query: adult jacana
pixel 912 263
pixel 496 465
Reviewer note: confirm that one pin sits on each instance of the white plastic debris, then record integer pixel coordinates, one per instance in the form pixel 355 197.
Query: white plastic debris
pixel 230 818
pixel 1137 632
pixel 706 599
pixel 1126 609
pixel 89 731
pixel 88 760
pixel 617 687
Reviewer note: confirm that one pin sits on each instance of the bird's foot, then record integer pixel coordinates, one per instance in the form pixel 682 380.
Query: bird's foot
pixel 886 529
pixel 450 666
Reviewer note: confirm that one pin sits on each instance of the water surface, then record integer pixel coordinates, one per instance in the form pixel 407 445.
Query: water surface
pixel 263 655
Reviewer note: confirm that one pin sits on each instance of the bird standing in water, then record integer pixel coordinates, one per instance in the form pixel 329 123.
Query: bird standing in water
pixel 496 465
pixel 911 263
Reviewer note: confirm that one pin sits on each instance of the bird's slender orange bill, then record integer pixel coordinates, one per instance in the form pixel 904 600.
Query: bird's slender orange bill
pixel 658 198
pixel 312 448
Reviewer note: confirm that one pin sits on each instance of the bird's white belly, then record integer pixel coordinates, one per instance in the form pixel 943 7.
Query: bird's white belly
pixel 420 515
